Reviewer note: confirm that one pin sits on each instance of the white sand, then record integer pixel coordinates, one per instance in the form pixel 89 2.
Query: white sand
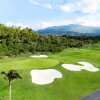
pixel 39 56
pixel 89 67
pixel 72 67
pixel 84 66
pixel 45 76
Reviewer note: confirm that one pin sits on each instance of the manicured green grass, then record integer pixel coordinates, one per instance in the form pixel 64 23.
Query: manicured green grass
pixel 72 86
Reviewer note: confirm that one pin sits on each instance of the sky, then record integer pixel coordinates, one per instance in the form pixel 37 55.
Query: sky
pixel 37 14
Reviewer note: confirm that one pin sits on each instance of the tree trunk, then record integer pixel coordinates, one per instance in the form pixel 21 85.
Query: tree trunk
pixel 10 97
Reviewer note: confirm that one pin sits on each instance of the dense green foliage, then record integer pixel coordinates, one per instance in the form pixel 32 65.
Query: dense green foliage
pixel 16 41
pixel 72 86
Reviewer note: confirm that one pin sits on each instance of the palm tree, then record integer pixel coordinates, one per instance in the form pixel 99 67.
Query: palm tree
pixel 10 76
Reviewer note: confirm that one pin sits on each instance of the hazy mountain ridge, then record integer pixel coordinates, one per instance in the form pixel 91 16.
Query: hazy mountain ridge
pixel 72 30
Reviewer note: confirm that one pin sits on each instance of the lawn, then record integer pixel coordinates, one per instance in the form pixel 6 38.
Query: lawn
pixel 72 86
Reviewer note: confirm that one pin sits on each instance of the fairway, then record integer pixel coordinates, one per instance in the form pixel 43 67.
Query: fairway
pixel 72 86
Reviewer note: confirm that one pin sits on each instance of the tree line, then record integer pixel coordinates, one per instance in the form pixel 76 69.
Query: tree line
pixel 16 41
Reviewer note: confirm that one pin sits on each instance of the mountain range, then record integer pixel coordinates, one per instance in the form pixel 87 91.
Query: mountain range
pixel 71 30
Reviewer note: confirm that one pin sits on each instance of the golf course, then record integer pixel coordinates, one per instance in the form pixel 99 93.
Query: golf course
pixel 72 86
pixel 49 49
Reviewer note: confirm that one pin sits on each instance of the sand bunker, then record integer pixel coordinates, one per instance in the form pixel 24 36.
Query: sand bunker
pixel 39 56
pixel 84 66
pixel 45 76
pixel 89 67
pixel 72 67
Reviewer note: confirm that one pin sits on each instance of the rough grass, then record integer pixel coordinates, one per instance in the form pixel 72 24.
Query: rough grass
pixel 72 86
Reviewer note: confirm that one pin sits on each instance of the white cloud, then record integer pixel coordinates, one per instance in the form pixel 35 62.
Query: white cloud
pixel 44 5
pixel 35 2
pixel 49 6
pixel 67 7
pixel 89 6
pixel 84 6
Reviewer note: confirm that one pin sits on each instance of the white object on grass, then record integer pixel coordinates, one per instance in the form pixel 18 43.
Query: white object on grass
pixel 45 76
pixel 84 66
pixel 72 67
pixel 89 67
pixel 39 56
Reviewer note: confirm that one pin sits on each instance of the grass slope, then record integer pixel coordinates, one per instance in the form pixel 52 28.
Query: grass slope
pixel 72 86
